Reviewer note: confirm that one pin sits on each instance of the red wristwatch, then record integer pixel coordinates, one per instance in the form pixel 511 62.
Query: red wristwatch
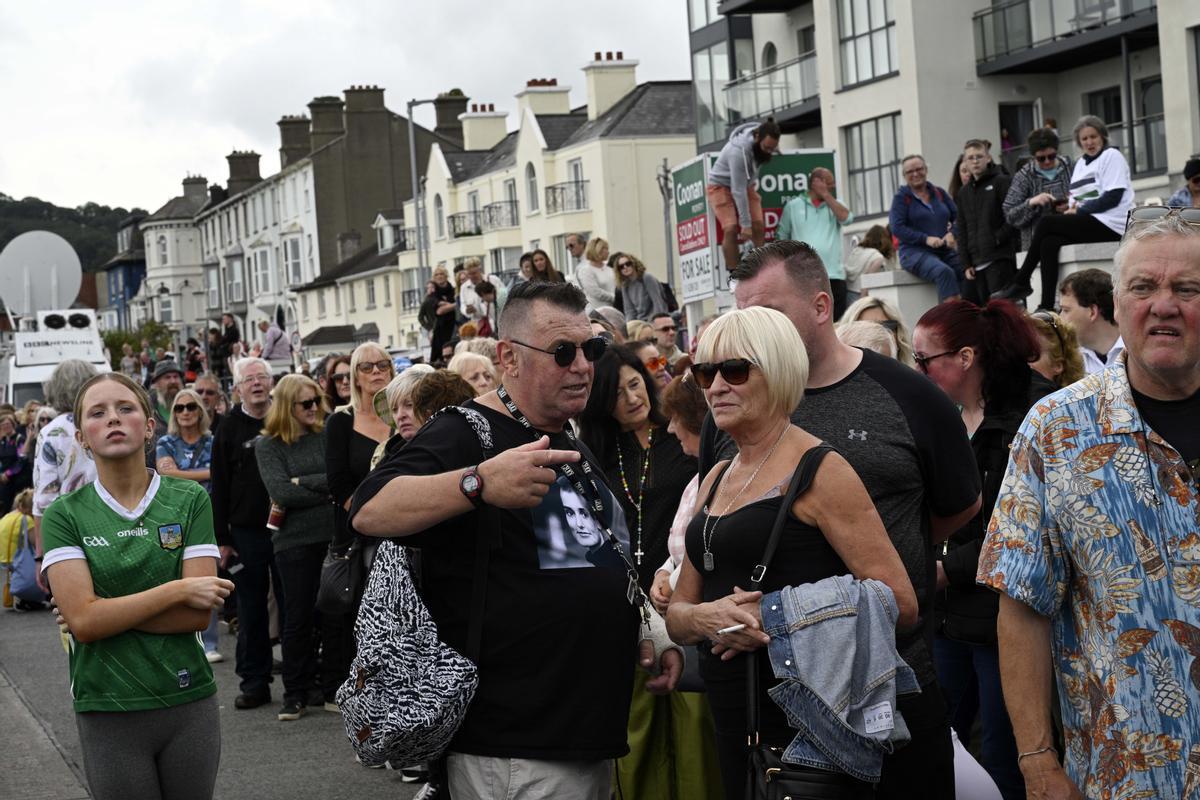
pixel 471 485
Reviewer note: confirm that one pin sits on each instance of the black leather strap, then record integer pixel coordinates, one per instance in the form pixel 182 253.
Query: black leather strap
pixel 802 479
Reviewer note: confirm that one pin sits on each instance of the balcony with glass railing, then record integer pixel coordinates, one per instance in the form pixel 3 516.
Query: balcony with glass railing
pixel 563 198
pixel 1011 28
pixel 465 223
pixel 1147 156
pixel 772 90
pixel 500 215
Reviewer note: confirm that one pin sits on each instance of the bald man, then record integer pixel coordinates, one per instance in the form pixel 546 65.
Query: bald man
pixel 816 217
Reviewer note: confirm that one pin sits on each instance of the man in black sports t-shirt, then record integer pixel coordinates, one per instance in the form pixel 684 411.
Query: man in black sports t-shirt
pixel 558 630
pixel 907 443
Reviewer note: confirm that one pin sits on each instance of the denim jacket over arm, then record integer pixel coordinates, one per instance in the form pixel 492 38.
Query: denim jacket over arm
pixel 843 707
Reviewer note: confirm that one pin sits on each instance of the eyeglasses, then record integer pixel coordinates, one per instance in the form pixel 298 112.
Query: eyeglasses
pixel 655 364
pixel 309 404
pixel 258 377
pixel 734 371
pixel 1046 159
pixel 923 360
pixel 564 352
pixel 206 392
pixel 182 407
pixel 368 366
pixel 624 264
pixel 343 377
pixel 1152 213
pixel 1049 319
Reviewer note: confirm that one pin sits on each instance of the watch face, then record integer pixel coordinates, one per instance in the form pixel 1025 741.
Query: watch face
pixel 470 483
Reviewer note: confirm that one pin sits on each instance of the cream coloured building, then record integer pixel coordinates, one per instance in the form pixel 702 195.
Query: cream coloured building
pixel 561 170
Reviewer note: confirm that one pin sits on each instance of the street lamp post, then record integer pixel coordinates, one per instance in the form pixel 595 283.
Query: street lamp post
pixel 422 256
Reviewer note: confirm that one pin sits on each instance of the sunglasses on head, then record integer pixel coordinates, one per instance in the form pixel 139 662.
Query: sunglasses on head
pixel 365 367
pixel 309 404
pixel 1153 213
pixel 1052 320
pixel 564 352
pixel 182 407
pixel 734 371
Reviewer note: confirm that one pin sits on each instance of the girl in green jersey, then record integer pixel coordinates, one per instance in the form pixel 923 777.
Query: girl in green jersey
pixel 132 562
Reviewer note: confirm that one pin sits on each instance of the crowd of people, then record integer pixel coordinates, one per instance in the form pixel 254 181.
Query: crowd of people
pixel 859 542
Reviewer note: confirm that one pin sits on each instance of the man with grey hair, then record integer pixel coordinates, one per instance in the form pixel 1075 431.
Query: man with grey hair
pixel 241 506
pixel 576 243
pixel 1094 547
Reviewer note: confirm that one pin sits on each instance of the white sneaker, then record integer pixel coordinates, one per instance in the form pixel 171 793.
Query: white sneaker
pixel 214 657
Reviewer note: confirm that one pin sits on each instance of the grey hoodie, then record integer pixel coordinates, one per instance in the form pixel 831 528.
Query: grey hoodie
pixel 736 168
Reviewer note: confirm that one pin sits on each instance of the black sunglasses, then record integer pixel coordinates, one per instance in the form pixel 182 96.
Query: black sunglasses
pixel 179 409
pixel 342 377
pixel 564 352
pixel 308 404
pixel 1046 159
pixel 206 392
pixel 1151 213
pixel 367 366
pixel 734 371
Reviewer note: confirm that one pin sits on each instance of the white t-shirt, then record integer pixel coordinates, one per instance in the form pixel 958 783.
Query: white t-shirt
pixel 1109 170
pixel 857 261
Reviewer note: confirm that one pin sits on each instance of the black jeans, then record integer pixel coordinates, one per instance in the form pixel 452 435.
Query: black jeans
pixel 1052 232
pixel 253 581
pixel 925 766
pixel 300 572
pixel 837 288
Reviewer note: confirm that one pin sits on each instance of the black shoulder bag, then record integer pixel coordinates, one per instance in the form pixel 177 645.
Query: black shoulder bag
pixel 768 777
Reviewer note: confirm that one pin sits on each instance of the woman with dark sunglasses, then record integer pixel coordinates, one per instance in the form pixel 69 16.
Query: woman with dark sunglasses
pixel 639 295
pixel 291 461
pixel 648 470
pixel 337 382
pixel 752 366
pixel 981 358
pixel 1040 187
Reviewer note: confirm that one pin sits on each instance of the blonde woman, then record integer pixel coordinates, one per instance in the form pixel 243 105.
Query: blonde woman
pixel 476 370
pixel 637 330
pixel 876 309
pixel 642 296
pixel 132 561
pixel 1061 361
pixel 291 461
pixel 598 282
pixel 867 335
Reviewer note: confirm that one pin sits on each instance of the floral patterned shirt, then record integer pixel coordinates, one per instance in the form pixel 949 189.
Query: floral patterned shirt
pixel 1098 528
pixel 61 465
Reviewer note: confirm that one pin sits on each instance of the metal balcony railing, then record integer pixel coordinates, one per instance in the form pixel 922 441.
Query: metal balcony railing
pixel 1007 28
pixel 565 197
pixel 1149 139
pixel 410 299
pixel 465 223
pixel 500 215
pixel 773 89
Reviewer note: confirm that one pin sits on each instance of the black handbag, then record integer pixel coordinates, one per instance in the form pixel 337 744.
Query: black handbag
pixel 343 574
pixel 767 776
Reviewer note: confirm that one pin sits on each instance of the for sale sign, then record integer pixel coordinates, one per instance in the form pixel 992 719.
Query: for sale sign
pixel 693 230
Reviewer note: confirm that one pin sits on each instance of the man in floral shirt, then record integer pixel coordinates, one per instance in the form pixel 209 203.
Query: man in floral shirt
pixel 1095 547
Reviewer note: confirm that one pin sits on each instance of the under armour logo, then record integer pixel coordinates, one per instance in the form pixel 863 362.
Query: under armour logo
pixel 860 435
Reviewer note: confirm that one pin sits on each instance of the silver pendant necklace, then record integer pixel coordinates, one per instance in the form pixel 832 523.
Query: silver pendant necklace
pixel 706 536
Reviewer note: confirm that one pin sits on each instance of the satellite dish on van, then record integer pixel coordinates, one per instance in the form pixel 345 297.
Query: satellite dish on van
pixel 39 270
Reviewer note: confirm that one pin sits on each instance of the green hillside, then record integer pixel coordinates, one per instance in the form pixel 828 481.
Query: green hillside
pixel 91 229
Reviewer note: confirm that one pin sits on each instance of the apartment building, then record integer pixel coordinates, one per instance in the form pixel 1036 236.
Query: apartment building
pixel 592 169
pixel 877 79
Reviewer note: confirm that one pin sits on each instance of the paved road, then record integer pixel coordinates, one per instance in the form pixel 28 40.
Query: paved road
pixel 260 756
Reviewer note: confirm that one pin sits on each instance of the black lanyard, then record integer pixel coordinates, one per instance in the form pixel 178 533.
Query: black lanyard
pixel 633 593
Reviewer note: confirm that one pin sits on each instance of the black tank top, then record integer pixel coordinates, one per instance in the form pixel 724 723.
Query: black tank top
pixel 738 544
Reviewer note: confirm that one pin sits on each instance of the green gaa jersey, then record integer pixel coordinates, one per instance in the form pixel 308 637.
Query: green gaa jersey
pixel 129 552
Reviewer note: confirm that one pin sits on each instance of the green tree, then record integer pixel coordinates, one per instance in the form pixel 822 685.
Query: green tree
pixel 152 331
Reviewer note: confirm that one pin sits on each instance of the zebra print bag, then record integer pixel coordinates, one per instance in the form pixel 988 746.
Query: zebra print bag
pixel 408 692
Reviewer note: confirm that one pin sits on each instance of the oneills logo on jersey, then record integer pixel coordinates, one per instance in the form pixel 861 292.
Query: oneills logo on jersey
pixel 170 537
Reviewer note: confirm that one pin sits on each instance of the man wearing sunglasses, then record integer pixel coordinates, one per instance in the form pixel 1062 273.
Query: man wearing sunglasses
pixel 907 443
pixel 665 331
pixel 1093 544
pixel 554 693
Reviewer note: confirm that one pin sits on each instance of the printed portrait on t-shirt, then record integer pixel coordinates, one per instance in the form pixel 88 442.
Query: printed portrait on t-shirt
pixel 568 534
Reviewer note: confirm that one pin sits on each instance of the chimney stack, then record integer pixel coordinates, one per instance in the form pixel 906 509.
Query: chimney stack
pixel 327 122
pixel 450 106
pixel 217 194
pixel 295 139
pixel 364 98
pixel 243 170
pixel 608 80
pixel 195 188
pixel 482 127
pixel 544 96
pixel 348 244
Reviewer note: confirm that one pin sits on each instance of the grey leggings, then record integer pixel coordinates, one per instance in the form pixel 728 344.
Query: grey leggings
pixel 161 754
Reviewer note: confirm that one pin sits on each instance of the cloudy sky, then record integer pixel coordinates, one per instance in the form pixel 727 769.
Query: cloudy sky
pixel 116 102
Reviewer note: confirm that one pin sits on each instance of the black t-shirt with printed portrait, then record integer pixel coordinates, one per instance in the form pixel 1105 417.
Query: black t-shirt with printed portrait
pixel 559 637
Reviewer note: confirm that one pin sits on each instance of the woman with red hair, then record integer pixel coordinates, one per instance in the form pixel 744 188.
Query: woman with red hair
pixel 981 358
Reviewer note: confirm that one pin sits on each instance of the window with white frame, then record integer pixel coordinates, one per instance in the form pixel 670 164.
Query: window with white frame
pixel 162 250
pixel 350 299
pixel 237 289
pixel 293 268
pixel 873 152
pixel 387 290
pixel 304 306
pixel 212 280
pixel 510 190
pixel 166 308
pixel 321 301
pixel 370 293
pixel 867 34
pixel 531 188
pixel 261 266
pixel 439 216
